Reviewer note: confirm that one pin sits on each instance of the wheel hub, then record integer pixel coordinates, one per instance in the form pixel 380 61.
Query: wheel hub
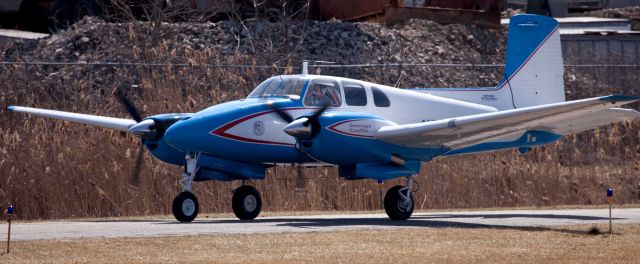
pixel 250 203
pixel 404 206
pixel 188 207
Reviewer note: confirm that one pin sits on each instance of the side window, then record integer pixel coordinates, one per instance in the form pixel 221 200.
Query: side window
pixel 379 98
pixel 354 93
pixel 323 92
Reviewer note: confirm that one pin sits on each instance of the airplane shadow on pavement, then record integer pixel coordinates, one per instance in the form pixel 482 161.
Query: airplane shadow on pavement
pixel 427 221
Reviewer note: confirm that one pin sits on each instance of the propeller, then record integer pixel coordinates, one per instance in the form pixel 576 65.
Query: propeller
pixel 282 114
pixel 301 183
pixel 135 114
pixel 135 175
pixel 150 129
pixel 145 129
pixel 306 128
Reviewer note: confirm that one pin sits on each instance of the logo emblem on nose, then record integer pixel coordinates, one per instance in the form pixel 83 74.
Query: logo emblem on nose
pixel 258 128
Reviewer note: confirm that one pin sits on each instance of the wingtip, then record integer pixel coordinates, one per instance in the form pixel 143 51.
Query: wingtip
pixel 10 108
pixel 619 98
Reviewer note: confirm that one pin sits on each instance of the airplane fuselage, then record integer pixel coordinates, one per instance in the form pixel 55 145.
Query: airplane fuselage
pixel 248 130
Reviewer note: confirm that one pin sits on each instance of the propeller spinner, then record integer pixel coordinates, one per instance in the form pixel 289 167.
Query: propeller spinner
pixel 304 128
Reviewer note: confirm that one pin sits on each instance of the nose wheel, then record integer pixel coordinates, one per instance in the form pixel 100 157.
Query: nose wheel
pixel 185 207
pixel 246 202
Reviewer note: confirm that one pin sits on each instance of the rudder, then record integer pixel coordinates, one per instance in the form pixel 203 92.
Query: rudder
pixel 534 68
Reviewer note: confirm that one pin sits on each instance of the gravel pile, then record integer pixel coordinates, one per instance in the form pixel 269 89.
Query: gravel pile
pixel 282 45
pixel 630 12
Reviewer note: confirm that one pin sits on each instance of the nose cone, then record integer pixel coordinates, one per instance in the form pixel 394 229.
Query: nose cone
pixel 145 129
pixel 299 128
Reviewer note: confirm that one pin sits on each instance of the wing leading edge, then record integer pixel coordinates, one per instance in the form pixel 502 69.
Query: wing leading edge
pixel 560 118
pixel 93 120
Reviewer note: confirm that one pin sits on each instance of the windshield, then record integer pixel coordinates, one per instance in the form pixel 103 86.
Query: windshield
pixel 280 86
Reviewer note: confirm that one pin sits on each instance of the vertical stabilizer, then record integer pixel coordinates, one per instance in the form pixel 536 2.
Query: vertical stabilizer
pixel 533 73
pixel 534 68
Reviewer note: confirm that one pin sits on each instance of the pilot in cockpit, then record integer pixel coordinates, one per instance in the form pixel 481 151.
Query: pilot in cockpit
pixel 321 96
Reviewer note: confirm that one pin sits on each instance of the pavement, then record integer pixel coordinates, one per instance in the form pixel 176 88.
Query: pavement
pixel 512 219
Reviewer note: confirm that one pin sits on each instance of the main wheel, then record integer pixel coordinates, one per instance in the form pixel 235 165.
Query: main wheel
pixel 185 207
pixel 396 206
pixel 246 202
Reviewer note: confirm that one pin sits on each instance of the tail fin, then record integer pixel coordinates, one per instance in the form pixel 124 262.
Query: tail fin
pixel 534 69
pixel 533 73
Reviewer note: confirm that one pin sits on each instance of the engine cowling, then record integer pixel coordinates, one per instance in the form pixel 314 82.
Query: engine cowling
pixel 347 138
pixel 155 142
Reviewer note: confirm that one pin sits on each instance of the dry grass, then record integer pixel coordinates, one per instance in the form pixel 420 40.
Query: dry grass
pixel 421 245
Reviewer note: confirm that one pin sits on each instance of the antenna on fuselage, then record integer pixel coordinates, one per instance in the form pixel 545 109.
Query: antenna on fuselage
pixel 305 67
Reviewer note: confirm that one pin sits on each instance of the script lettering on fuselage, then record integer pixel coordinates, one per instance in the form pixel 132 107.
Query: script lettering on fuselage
pixel 365 128
pixel 359 128
pixel 489 97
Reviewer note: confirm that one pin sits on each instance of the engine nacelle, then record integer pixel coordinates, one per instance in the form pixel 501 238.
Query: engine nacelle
pixel 159 147
pixel 348 138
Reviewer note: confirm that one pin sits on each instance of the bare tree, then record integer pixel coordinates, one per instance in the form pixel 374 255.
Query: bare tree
pixel 157 12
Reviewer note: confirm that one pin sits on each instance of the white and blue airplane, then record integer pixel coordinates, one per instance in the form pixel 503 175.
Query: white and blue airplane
pixel 369 131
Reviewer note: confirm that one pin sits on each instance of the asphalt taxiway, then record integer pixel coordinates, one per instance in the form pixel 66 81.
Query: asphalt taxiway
pixel 515 219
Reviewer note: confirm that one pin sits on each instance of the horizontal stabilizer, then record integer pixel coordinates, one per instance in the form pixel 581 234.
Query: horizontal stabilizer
pixel 593 120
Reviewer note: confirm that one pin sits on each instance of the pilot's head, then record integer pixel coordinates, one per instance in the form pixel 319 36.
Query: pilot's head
pixel 318 91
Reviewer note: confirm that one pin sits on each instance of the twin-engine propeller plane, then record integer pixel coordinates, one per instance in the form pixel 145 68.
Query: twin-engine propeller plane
pixel 369 131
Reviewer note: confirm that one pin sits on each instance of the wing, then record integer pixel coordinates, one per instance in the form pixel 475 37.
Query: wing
pixel 561 118
pixel 93 120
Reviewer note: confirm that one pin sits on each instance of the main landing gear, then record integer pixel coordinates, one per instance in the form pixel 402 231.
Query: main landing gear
pixel 398 201
pixel 246 200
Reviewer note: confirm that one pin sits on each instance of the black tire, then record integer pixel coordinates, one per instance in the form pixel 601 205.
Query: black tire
pixel 393 204
pixel 246 202
pixel 185 207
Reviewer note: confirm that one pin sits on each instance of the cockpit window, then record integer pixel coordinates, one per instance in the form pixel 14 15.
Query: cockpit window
pixel 323 92
pixel 279 86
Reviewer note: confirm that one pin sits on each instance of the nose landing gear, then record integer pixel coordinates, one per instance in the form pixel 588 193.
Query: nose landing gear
pixel 185 205
pixel 246 201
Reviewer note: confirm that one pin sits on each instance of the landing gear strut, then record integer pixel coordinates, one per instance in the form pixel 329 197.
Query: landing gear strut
pixel 398 202
pixel 185 205
pixel 246 202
